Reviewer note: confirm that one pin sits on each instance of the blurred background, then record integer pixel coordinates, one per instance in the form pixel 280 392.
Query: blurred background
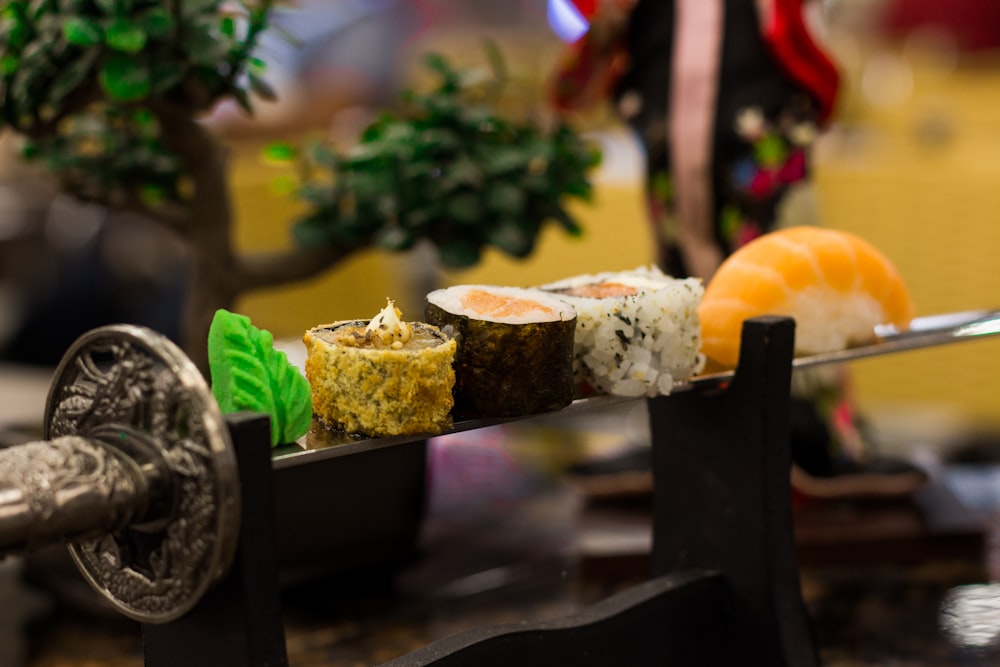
pixel 911 163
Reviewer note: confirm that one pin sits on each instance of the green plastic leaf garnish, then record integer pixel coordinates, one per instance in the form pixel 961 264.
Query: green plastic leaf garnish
pixel 249 374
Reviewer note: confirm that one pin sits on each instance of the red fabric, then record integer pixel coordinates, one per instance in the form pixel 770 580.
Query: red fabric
pixel 798 54
pixel 974 24
pixel 587 7
pixel 588 72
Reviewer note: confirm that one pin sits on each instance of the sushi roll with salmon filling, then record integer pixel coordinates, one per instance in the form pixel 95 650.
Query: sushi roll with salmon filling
pixel 381 377
pixel 515 349
pixel 637 331
pixel 836 286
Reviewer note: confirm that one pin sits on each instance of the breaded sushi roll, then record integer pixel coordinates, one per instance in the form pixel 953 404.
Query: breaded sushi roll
pixel 381 377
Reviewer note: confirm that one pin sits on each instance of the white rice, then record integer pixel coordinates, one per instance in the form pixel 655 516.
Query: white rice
pixel 636 345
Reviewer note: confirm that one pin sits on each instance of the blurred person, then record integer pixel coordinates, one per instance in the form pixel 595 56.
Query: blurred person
pixel 726 98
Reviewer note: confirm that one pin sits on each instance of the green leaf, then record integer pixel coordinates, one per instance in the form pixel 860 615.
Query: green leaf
pixel 9 64
pixel 82 32
pixel 449 77
pixel 280 152
pixel 512 239
pixel 465 208
pixel 69 79
pixel 496 61
pixel 321 154
pixel 459 254
pixel 261 88
pixel 144 119
pixel 249 374
pixel 318 195
pixel 152 195
pixel 123 35
pixel 567 221
pixel 165 74
pixel 507 159
pixel 506 199
pixel 40 8
pixel 463 172
pixel 157 22
pixel 125 79
pixel 30 150
pixel 202 43
pixel 243 100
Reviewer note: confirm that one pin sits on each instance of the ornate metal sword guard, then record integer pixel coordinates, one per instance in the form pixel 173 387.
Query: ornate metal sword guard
pixel 137 474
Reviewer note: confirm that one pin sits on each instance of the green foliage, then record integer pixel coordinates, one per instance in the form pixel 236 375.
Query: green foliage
pixel 249 374
pixel 110 152
pixel 449 170
pixel 73 71
pixel 86 80
pixel 206 42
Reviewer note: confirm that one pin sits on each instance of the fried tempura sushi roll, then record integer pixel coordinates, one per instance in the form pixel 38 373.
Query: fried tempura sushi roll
pixel 381 377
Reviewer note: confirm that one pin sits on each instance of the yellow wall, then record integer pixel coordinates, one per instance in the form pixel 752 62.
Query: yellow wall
pixel 933 206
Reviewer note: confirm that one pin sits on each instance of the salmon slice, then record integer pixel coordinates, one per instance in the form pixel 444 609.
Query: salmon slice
pixel 836 285
pixel 501 305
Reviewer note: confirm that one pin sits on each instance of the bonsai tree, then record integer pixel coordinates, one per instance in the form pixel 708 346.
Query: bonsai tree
pixel 108 95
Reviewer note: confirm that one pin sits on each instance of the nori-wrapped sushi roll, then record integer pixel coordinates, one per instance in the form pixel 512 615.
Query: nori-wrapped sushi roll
pixel 515 349
pixel 381 377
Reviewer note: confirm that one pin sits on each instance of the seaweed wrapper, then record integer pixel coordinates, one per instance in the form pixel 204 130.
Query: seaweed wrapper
pixel 508 370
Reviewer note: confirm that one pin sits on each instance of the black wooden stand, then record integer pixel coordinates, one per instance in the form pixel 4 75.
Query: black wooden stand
pixel 724 589
pixel 722 497
pixel 238 624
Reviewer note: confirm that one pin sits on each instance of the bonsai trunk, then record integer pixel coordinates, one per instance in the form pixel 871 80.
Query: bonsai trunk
pixel 207 229
pixel 213 280
pixel 218 274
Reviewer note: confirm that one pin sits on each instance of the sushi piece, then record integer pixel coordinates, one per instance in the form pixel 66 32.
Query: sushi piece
pixel 836 286
pixel 381 377
pixel 637 332
pixel 515 349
